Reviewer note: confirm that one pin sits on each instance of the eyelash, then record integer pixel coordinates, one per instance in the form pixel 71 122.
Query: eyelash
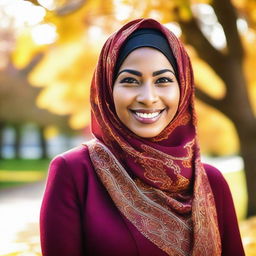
pixel 128 80
pixel 167 80
pixel 131 80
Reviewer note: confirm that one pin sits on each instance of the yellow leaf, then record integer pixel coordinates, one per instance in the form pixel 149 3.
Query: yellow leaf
pixel 25 49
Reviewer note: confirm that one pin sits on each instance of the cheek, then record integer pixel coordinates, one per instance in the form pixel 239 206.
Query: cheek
pixel 121 101
pixel 116 99
pixel 172 97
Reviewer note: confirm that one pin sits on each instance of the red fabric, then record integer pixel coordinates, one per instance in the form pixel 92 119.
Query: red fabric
pixel 169 163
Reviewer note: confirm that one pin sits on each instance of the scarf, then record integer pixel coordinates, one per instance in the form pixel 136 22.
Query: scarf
pixel 159 184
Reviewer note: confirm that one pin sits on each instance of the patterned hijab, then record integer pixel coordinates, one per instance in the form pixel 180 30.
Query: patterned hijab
pixel 159 184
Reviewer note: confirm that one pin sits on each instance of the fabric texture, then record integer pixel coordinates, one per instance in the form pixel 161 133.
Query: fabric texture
pixel 78 217
pixel 158 184
pixel 142 38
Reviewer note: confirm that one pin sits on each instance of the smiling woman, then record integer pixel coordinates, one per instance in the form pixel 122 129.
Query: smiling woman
pixel 139 187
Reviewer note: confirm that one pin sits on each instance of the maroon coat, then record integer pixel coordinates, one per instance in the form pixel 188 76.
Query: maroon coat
pixel 78 217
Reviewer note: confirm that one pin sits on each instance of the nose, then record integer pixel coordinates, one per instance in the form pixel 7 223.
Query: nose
pixel 147 94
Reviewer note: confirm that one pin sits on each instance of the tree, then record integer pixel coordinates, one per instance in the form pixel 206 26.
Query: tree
pixel 18 105
pixel 18 99
pixel 229 67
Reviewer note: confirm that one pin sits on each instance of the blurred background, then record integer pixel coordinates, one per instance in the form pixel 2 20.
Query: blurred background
pixel 48 51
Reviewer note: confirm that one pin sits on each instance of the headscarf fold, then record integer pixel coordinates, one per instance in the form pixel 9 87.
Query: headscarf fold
pixel 159 184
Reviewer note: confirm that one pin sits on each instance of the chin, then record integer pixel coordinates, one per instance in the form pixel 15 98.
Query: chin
pixel 147 135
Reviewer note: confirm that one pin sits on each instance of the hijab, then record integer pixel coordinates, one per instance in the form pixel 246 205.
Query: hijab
pixel 145 37
pixel 159 184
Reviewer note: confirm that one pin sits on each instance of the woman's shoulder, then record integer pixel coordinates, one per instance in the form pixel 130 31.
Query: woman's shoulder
pixel 212 172
pixel 75 160
pixel 67 178
pixel 74 155
pixel 216 178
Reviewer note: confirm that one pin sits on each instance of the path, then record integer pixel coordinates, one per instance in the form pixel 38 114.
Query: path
pixel 19 217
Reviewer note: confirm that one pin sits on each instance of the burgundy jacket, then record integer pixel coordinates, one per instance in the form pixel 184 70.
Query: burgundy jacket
pixel 78 217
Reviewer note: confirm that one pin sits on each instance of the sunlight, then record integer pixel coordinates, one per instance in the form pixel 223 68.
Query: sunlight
pixel 217 37
pixel 122 11
pixel 21 176
pixel 51 131
pixel 209 25
pixel 154 14
pixel 44 34
pixel 94 32
pixel 242 26
pixel 48 4
pixel 12 223
pixel 174 27
pixel 24 12
pixel 251 36
pixel 226 164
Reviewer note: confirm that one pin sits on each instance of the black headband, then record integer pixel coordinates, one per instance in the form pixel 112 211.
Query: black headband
pixel 146 37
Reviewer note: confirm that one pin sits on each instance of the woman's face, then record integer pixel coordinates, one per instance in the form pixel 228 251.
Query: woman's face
pixel 146 92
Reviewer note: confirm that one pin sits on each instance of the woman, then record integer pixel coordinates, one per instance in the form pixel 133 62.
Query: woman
pixel 139 188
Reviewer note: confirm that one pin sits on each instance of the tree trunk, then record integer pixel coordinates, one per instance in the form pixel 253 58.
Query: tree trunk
pixel 236 106
pixel 247 136
pixel 17 141
pixel 43 143
pixel 228 65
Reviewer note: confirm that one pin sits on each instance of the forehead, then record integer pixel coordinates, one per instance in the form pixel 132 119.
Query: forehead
pixel 146 57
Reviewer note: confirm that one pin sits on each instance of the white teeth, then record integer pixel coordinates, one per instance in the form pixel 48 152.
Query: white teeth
pixel 147 115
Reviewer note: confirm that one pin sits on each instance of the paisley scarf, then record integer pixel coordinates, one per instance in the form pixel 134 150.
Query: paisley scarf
pixel 159 184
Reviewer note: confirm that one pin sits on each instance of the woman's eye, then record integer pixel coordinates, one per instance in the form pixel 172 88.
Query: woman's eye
pixel 164 80
pixel 129 80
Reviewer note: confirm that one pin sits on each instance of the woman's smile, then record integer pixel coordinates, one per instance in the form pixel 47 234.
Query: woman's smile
pixel 146 116
pixel 146 92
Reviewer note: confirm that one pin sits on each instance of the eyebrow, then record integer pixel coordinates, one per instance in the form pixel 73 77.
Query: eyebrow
pixel 131 71
pixel 159 72
pixel 137 73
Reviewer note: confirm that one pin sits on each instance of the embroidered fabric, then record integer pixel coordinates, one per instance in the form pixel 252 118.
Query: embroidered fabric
pixel 177 223
pixel 142 206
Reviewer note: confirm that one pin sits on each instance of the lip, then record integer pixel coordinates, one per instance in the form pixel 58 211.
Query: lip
pixel 148 111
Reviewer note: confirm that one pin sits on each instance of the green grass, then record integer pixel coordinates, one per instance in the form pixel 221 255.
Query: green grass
pixel 9 184
pixel 15 172
pixel 24 164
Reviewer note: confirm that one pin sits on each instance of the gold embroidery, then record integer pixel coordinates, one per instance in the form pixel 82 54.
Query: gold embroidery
pixel 161 226
pixel 155 162
pixel 187 162
pixel 204 208
pixel 168 200
pixel 156 173
pixel 160 216
pixel 168 159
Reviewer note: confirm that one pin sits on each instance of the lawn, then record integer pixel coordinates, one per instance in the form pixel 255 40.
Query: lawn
pixel 15 172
